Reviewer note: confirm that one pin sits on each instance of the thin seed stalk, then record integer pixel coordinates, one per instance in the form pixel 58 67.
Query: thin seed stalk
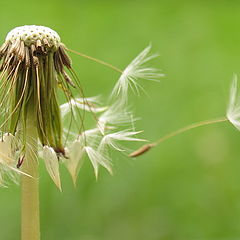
pixel 30 221
pixel 145 148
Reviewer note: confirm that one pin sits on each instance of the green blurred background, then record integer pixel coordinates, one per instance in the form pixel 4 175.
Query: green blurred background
pixel 188 188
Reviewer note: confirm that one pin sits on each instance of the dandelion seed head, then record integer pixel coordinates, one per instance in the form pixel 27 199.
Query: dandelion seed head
pixel 34 63
pixel 29 34
pixel 34 68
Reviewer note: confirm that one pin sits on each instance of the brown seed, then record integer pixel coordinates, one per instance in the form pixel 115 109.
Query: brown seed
pixel 141 150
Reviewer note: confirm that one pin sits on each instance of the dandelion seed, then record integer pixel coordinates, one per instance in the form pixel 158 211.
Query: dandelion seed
pixel 134 71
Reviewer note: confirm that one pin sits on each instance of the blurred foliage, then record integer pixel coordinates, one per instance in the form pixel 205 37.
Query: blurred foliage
pixel 188 187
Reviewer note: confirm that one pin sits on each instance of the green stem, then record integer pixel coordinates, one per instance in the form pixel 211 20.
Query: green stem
pixel 147 147
pixel 30 185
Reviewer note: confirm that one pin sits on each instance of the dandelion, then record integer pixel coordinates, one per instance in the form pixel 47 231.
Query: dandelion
pixel 34 67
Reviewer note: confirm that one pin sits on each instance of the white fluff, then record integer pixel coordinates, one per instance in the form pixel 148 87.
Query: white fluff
pixel 112 138
pixel 115 115
pixel 233 111
pixel 96 158
pixel 87 104
pixel 136 70
pixel 8 159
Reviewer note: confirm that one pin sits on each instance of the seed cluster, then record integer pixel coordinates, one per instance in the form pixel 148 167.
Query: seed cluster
pixel 30 34
pixel 25 44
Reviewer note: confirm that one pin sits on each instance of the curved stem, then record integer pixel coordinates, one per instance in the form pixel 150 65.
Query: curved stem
pixel 30 185
pixel 147 147
pixel 96 60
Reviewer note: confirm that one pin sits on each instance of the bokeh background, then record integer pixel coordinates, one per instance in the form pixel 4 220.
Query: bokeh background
pixel 188 188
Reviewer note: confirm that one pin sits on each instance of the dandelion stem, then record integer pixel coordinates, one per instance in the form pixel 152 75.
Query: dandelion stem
pixel 30 185
pixel 147 147
pixel 96 60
